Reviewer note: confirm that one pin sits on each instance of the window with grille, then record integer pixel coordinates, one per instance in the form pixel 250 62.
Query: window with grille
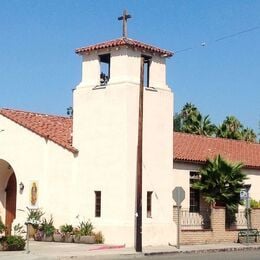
pixel 97 204
pixel 149 204
pixel 194 194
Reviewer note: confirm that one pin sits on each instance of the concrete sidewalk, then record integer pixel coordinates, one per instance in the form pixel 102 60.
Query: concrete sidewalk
pixel 51 250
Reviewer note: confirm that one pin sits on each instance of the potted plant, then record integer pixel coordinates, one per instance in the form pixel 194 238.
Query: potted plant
pixel 14 242
pixel 86 232
pixel 38 235
pixel 58 236
pixel 76 235
pixel 33 220
pixel 47 229
pixel 67 231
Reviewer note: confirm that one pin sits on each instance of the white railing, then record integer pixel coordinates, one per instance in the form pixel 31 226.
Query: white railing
pixel 195 220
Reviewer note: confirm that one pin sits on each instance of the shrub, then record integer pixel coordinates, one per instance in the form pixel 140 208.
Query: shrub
pixel 254 203
pixel 99 238
pixel 18 229
pixel 15 243
pixel 2 226
pixel 85 228
pixel 47 227
pixel 66 229
pixel 34 216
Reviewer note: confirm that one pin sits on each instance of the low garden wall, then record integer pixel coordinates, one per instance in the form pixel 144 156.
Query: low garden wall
pixel 217 233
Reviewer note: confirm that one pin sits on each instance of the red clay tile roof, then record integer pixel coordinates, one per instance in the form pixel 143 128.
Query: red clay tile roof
pixel 187 147
pixel 55 128
pixel 124 42
pixel 196 149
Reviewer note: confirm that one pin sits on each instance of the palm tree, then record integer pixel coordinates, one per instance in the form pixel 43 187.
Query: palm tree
pixel 189 112
pixel 230 128
pixel 193 122
pixel 221 182
pixel 203 126
pixel 248 134
pixel 189 118
pixel 177 122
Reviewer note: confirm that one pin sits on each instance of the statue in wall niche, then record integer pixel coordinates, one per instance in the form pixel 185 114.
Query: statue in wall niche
pixel 34 190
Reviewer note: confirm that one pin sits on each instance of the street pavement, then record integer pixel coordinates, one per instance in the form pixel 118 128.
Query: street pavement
pixel 66 251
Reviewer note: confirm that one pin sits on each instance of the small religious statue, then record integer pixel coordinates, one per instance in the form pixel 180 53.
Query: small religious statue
pixel 34 194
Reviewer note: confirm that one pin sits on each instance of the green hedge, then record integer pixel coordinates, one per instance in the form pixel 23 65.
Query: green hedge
pixel 13 243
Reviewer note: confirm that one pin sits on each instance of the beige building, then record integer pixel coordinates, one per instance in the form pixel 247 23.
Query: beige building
pixel 191 151
pixel 85 165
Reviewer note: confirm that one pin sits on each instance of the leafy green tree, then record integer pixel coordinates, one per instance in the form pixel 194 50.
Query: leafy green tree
pixel 203 126
pixel 189 113
pixel 177 122
pixel 220 182
pixel 248 134
pixel 193 122
pixel 230 128
pixel 190 120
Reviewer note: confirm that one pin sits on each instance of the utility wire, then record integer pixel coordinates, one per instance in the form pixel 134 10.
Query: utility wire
pixel 238 33
pixel 203 43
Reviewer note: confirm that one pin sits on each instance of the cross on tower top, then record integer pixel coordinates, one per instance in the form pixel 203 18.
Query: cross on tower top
pixel 124 17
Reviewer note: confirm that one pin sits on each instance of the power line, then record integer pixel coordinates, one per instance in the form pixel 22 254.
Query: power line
pixel 238 33
pixel 222 38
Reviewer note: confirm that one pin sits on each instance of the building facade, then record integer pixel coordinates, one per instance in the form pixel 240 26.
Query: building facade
pixel 85 166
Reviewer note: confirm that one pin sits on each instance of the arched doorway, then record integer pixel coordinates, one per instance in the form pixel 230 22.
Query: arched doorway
pixel 11 190
pixel 8 193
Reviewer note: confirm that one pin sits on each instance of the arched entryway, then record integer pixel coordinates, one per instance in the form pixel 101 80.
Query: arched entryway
pixel 10 202
pixel 8 193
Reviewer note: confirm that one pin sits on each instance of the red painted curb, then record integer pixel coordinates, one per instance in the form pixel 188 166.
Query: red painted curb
pixel 107 247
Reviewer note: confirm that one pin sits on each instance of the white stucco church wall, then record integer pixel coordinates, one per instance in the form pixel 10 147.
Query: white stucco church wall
pixel 35 159
pixel 105 132
pixel 105 127
pixel 100 153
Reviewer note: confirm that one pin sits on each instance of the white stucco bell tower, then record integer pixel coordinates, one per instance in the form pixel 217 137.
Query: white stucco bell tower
pixel 105 128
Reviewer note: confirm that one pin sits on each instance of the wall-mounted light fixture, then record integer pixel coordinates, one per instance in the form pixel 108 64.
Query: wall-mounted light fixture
pixel 21 186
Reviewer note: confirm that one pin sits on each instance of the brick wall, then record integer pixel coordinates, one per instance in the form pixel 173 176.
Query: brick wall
pixel 255 218
pixel 216 234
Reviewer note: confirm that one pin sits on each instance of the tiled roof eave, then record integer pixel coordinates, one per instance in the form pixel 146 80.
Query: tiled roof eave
pixel 124 42
pixel 189 161
pixel 201 162
pixel 67 147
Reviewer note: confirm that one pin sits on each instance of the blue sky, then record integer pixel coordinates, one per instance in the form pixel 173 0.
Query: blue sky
pixel 39 69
